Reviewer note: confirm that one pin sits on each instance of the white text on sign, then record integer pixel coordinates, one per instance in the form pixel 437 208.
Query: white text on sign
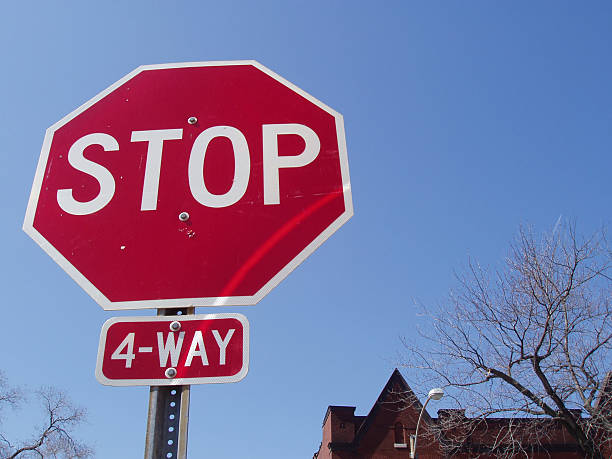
pixel 170 346
pixel 272 163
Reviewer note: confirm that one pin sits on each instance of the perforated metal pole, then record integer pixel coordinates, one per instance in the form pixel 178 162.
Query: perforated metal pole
pixel 168 418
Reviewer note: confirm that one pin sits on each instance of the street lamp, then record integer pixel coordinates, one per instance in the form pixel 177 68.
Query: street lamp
pixel 435 394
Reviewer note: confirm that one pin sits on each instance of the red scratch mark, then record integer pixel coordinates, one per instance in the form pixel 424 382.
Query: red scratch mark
pixel 272 241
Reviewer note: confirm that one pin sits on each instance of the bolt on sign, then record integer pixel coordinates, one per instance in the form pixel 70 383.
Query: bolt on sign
pixel 173 350
pixel 199 184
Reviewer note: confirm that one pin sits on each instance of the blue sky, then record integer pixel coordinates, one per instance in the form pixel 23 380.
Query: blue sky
pixel 463 120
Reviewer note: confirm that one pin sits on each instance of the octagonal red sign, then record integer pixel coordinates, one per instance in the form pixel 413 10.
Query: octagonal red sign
pixel 190 184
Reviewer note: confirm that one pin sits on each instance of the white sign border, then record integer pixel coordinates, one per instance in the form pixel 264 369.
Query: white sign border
pixel 95 293
pixel 174 381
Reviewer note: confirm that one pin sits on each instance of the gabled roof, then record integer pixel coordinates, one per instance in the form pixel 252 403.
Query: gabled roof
pixel 396 393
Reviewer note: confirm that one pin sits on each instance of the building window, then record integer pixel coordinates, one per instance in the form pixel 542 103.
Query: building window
pixel 398 436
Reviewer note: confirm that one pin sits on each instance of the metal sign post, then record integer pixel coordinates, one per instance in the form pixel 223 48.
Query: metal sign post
pixel 168 417
pixel 167 422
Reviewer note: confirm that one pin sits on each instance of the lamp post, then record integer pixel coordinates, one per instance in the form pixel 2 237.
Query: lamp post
pixel 435 394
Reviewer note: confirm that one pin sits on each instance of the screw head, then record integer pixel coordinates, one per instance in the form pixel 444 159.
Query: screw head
pixel 192 120
pixel 170 372
pixel 175 326
pixel 183 216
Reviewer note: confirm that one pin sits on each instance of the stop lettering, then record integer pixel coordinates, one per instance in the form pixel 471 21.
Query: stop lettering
pixel 272 163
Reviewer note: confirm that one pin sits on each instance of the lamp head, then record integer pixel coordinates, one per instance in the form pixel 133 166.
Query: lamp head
pixel 436 393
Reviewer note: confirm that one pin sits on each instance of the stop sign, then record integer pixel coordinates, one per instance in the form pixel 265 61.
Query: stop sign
pixel 190 184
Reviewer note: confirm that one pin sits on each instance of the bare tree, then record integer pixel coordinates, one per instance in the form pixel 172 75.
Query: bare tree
pixel 54 438
pixel 533 339
pixel 10 396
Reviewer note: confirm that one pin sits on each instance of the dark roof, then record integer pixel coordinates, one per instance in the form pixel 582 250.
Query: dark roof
pixel 396 390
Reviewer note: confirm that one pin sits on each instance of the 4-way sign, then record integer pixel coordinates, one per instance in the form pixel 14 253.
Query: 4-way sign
pixel 173 350
pixel 193 184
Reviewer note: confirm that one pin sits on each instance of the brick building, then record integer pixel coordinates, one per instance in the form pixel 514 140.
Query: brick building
pixel 385 431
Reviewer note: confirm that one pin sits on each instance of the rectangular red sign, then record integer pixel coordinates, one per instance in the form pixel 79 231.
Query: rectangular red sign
pixel 173 350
